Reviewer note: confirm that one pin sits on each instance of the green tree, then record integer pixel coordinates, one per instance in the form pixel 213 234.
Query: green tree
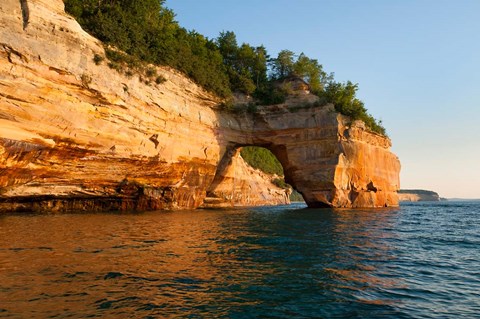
pixel 147 31
pixel 239 62
pixel 343 96
pixel 260 66
pixel 227 44
pixel 283 65
pixel 312 72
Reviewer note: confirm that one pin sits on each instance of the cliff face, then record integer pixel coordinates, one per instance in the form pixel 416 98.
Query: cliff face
pixel 78 136
pixel 238 184
pixel 331 163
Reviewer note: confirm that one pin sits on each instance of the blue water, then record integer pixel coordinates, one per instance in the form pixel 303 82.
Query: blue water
pixel 417 261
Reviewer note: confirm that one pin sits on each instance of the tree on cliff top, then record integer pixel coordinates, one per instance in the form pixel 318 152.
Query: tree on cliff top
pixel 285 65
pixel 246 66
pixel 343 96
pixel 146 30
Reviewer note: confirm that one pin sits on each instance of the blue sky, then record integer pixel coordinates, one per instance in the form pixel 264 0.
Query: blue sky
pixel 417 63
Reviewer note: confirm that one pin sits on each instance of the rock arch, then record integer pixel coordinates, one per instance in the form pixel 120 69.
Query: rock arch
pixel 66 146
pixel 238 184
pixel 329 160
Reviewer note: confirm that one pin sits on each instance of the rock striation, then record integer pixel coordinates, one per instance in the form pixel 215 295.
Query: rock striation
pixel 238 184
pixel 75 135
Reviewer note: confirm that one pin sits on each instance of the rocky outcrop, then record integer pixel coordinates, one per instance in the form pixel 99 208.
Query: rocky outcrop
pixel 75 135
pixel 238 184
pixel 331 162
pixel 417 195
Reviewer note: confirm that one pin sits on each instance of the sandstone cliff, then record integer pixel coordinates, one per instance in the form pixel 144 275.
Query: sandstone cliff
pixel 417 195
pixel 79 136
pixel 238 184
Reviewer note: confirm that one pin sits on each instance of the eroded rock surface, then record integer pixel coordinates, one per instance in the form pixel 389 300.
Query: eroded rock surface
pixel 79 136
pixel 330 162
pixel 238 184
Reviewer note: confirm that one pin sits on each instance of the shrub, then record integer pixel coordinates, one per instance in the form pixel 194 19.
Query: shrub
pixel 343 96
pixel 150 72
pixel 115 66
pixel 97 58
pixel 86 80
pixel 160 79
pixel 252 108
pixel 280 182
pixel 296 196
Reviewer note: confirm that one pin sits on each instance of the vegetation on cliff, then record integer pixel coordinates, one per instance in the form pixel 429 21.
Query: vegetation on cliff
pixel 147 31
pixel 262 159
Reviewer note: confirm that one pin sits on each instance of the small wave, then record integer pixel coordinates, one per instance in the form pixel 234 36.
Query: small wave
pixel 113 275
pixel 75 274
pixel 116 303
pixel 139 278
pixel 150 306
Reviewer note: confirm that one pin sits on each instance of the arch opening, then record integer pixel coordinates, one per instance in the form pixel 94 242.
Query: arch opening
pixel 252 175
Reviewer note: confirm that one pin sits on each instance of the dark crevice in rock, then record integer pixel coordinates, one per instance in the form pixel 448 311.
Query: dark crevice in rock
pixel 154 140
pixel 371 187
pixel 25 13
pixel 11 53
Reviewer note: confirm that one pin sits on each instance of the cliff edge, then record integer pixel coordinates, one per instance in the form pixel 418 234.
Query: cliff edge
pixel 75 135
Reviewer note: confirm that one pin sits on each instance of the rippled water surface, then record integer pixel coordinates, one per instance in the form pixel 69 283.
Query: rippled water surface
pixel 418 261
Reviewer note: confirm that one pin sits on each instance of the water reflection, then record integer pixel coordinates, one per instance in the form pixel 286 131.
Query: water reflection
pixel 277 262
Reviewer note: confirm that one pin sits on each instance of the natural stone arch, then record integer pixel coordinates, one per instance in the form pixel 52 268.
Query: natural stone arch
pixel 331 161
pixel 236 183
pixel 99 147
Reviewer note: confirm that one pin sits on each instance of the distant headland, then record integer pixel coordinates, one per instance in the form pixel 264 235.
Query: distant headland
pixel 418 195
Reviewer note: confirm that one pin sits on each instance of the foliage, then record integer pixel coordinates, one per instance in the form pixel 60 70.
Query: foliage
pixel 246 66
pixel 280 182
pixel 343 96
pixel 86 80
pixel 309 70
pixel 283 65
pixel 160 79
pixel 262 159
pixel 296 197
pixel 271 94
pixel 417 191
pixel 145 30
pixel 98 59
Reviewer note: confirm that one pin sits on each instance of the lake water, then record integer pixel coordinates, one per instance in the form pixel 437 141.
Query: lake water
pixel 417 261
